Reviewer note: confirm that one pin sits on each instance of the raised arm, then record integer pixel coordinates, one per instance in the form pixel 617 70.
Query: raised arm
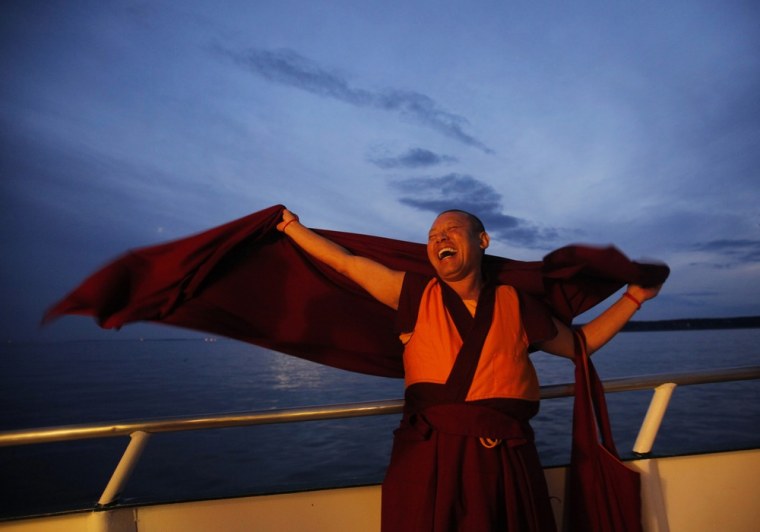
pixel 604 327
pixel 383 283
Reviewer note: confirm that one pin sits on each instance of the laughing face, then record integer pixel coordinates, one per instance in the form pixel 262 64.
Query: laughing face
pixel 455 246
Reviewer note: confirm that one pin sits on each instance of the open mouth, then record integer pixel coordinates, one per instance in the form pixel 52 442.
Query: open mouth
pixel 446 253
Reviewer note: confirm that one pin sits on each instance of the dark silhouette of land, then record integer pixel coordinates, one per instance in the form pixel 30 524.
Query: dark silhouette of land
pixel 694 324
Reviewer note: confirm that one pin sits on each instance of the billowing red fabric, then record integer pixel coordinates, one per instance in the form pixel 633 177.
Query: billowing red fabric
pixel 245 280
pixel 603 494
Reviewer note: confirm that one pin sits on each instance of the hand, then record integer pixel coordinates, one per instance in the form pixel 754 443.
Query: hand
pixel 287 217
pixel 643 293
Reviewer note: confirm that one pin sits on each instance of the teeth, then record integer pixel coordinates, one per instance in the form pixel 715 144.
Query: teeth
pixel 446 252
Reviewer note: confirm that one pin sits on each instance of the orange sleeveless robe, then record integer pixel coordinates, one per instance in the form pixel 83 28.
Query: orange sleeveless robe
pixel 504 369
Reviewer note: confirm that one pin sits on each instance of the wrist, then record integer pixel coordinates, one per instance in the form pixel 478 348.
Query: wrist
pixel 630 297
pixel 284 227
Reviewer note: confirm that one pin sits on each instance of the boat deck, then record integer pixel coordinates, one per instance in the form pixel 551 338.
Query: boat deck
pixel 708 492
pixel 693 493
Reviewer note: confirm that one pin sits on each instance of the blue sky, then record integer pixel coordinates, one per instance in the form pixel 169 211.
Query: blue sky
pixel 124 124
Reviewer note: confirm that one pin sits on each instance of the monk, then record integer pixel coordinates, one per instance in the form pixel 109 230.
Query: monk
pixel 463 457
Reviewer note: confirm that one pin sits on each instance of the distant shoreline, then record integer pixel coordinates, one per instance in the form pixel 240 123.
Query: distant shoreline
pixel 680 324
pixel 693 324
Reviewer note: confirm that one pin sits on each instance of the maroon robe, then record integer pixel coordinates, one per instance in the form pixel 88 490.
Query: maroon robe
pixel 245 280
pixel 442 477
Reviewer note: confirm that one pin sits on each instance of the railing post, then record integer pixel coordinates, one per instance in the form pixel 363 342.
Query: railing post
pixel 127 464
pixel 651 424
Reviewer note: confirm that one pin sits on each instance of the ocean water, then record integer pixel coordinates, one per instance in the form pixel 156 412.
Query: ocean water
pixel 80 382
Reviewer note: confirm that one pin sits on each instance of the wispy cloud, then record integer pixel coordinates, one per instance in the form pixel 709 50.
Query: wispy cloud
pixel 290 68
pixel 412 158
pixel 731 252
pixel 461 191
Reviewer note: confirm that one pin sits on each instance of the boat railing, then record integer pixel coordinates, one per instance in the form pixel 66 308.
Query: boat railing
pixel 139 431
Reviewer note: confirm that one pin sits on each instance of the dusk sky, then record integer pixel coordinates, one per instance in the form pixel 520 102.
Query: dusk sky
pixel 129 123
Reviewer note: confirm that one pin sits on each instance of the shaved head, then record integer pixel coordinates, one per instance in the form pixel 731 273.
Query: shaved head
pixel 475 222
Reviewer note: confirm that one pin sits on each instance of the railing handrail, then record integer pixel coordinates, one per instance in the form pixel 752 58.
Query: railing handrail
pixel 313 413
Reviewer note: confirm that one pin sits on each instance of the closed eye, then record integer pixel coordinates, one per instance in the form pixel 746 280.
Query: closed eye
pixel 447 230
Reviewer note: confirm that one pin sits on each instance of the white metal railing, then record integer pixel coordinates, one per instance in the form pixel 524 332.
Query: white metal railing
pixel 139 431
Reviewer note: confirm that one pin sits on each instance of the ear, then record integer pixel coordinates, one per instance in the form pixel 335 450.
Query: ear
pixel 485 240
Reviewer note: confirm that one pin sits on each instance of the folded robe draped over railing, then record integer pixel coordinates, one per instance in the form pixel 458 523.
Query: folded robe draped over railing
pixel 246 280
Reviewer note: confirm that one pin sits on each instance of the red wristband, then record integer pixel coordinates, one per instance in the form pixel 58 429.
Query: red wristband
pixel 629 296
pixel 287 224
